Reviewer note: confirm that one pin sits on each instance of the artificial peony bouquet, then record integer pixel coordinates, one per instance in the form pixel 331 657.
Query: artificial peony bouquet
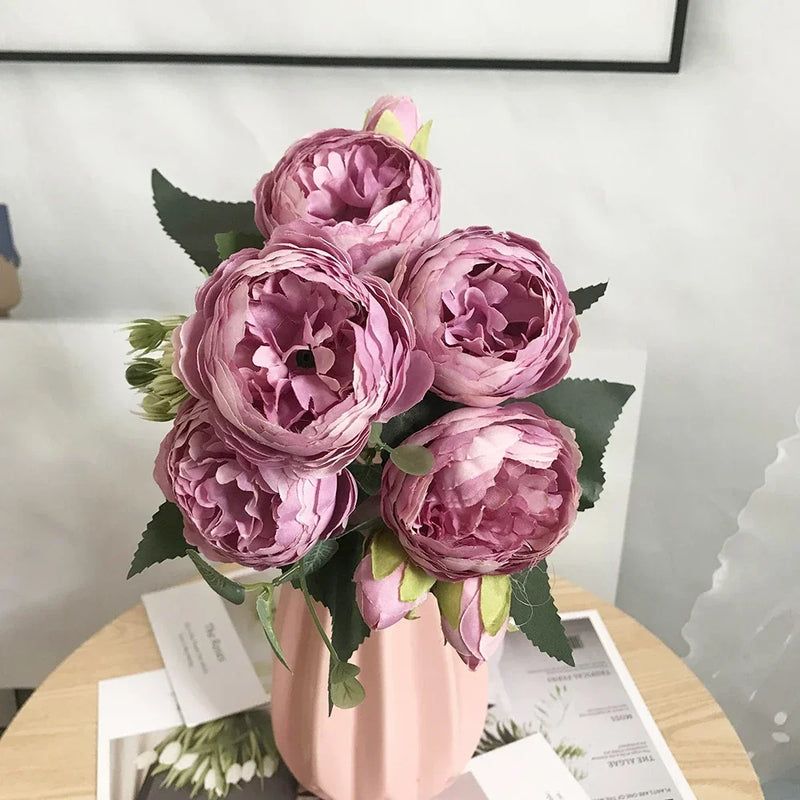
pixel 373 411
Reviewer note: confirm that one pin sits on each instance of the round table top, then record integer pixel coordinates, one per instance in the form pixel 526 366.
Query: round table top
pixel 49 750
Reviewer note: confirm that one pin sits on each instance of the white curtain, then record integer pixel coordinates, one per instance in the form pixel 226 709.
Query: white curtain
pixel 744 632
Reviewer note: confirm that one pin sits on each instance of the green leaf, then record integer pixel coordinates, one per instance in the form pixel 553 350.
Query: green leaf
pixel 368 476
pixel 591 408
pixel 375 434
pixel 448 596
pixel 415 583
pixel 587 296
pixel 536 615
pixel 193 222
pixel 346 690
pixel 232 242
pixel 318 556
pixel 161 540
pixel 412 459
pixel 334 588
pixel 419 144
pixel 265 609
pixel 389 125
pixel 387 554
pixel 495 602
pixel 428 410
pixel 226 588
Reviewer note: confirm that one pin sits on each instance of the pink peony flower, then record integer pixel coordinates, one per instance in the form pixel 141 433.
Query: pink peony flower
pixel 297 355
pixel 404 111
pixel 463 619
pixel 370 191
pixel 388 585
pixel 502 494
pixel 230 512
pixel 493 314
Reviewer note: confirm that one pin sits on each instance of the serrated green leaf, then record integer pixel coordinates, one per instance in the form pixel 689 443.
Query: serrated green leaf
pixel 192 222
pixel 232 242
pixel 591 408
pixel 316 558
pixel 536 615
pixel 346 691
pixel 587 296
pixel 428 410
pixel 265 610
pixel 334 588
pixel 161 540
pixel 226 588
pixel 368 476
pixel 412 459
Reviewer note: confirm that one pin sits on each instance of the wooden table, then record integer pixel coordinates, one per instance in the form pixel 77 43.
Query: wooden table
pixel 49 751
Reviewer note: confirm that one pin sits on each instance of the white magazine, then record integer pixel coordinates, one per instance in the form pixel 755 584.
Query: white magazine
pixel 592 714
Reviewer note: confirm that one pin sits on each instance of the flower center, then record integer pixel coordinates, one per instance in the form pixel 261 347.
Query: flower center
pixel 494 310
pixel 355 184
pixel 296 355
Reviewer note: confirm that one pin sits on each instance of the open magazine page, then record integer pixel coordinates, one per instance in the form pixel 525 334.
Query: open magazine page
pixel 592 714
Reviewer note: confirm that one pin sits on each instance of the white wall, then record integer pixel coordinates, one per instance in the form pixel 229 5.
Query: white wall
pixel 679 189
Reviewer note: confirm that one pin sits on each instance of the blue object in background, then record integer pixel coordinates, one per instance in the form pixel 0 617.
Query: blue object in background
pixel 7 249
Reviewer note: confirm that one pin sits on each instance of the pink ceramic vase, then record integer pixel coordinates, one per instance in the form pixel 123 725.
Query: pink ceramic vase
pixel 412 735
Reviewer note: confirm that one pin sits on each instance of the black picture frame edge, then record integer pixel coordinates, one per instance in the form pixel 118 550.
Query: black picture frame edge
pixel 672 65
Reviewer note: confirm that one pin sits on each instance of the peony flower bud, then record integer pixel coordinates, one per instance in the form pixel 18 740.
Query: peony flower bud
pixel 395 116
pixel 388 584
pixel 475 615
pixel 146 334
pixel 141 372
pixel 157 409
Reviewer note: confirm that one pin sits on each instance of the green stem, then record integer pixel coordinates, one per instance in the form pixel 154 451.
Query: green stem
pixel 257 587
pixel 317 623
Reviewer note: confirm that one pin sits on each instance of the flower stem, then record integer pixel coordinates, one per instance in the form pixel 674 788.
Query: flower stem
pixel 317 623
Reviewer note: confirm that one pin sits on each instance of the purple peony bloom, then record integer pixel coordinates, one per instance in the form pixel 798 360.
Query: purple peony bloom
pixel 370 191
pixel 502 494
pixel 230 512
pixel 464 627
pixel 492 312
pixel 297 355
pixel 404 111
